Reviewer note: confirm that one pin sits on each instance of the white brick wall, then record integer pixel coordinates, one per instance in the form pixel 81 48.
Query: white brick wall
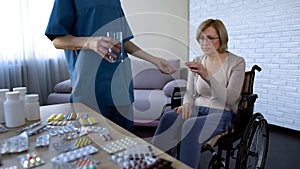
pixel 267 33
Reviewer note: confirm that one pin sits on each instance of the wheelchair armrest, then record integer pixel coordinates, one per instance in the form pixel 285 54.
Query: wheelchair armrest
pixel 251 98
pixel 176 90
pixel 247 101
pixel 176 98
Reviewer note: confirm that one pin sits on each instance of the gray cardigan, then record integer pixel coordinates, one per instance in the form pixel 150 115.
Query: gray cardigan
pixel 224 89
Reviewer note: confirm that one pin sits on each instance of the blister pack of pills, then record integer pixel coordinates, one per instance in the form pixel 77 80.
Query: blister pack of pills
pixel 105 134
pixel 88 121
pixel 75 154
pixel 86 162
pixel 30 160
pixel 71 116
pixel 118 145
pixel 136 156
pixel 92 129
pixel 15 144
pixel 55 118
pixel 85 120
pixel 160 164
pixel 42 140
pixel 141 163
pixel 72 145
pixel 147 163
pixel 36 130
pixel 28 128
pixel 61 130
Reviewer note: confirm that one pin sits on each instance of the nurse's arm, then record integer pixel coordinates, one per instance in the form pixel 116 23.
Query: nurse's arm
pixel 163 65
pixel 99 44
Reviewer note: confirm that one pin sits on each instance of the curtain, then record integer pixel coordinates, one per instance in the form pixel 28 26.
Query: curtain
pixel 27 57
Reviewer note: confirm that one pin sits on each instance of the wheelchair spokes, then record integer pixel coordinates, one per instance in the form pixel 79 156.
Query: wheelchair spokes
pixel 253 151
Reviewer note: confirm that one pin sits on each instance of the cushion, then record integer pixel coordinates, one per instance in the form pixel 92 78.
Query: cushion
pixel 57 98
pixel 169 87
pixel 148 104
pixel 63 87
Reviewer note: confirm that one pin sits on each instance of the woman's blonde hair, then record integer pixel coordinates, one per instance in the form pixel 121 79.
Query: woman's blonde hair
pixel 221 30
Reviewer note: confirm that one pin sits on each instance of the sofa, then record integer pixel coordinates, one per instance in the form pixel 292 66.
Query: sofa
pixel 152 90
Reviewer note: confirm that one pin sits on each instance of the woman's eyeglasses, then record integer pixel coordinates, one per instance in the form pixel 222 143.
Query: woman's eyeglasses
pixel 207 38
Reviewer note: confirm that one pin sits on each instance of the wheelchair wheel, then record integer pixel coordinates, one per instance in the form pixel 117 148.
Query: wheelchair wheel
pixel 216 163
pixel 254 144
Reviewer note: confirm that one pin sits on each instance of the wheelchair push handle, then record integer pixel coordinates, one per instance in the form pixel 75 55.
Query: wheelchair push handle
pixel 255 67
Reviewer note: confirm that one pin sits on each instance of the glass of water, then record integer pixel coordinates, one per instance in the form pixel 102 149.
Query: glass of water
pixel 119 38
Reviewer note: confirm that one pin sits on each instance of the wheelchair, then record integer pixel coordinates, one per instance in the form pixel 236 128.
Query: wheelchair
pixel 247 138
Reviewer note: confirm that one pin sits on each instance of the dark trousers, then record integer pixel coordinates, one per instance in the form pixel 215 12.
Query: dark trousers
pixel 204 124
pixel 121 115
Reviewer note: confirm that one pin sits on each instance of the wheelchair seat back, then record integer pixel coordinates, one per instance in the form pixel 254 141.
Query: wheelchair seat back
pixel 248 98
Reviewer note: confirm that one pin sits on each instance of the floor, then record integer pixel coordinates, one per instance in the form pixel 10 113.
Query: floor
pixel 284 147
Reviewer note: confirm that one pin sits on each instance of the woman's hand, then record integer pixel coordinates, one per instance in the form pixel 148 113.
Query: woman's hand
pixel 198 68
pixel 185 110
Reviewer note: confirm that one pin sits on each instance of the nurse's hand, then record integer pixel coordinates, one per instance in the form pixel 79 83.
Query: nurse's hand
pixel 104 46
pixel 100 44
pixel 185 110
pixel 163 65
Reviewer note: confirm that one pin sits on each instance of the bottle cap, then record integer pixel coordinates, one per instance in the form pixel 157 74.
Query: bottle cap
pixel 12 95
pixel 22 90
pixel 31 97
pixel 3 91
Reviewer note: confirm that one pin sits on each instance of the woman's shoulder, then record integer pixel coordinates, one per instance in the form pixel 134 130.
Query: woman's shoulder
pixel 235 58
pixel 236 61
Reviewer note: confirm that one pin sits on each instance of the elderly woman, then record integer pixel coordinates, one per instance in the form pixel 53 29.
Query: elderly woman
pixel 214 87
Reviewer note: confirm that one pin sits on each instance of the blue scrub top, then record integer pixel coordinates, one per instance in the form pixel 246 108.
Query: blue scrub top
pixel 94 80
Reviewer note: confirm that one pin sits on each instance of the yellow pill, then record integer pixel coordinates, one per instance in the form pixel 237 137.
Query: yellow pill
pixel 83 121
pixel 64 123
pixel 92 120
pixel 51 117
pixel 59 117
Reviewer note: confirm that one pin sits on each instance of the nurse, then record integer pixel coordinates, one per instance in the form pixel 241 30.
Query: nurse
pixel 79 27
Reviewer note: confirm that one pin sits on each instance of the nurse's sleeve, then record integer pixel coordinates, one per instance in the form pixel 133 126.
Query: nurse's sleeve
pixel 61 19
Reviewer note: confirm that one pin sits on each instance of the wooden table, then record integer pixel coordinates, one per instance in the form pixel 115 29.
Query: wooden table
pixel 47 153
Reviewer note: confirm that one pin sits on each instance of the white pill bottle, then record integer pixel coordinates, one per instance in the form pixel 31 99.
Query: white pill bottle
pixel 14 110
pixel 32 107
